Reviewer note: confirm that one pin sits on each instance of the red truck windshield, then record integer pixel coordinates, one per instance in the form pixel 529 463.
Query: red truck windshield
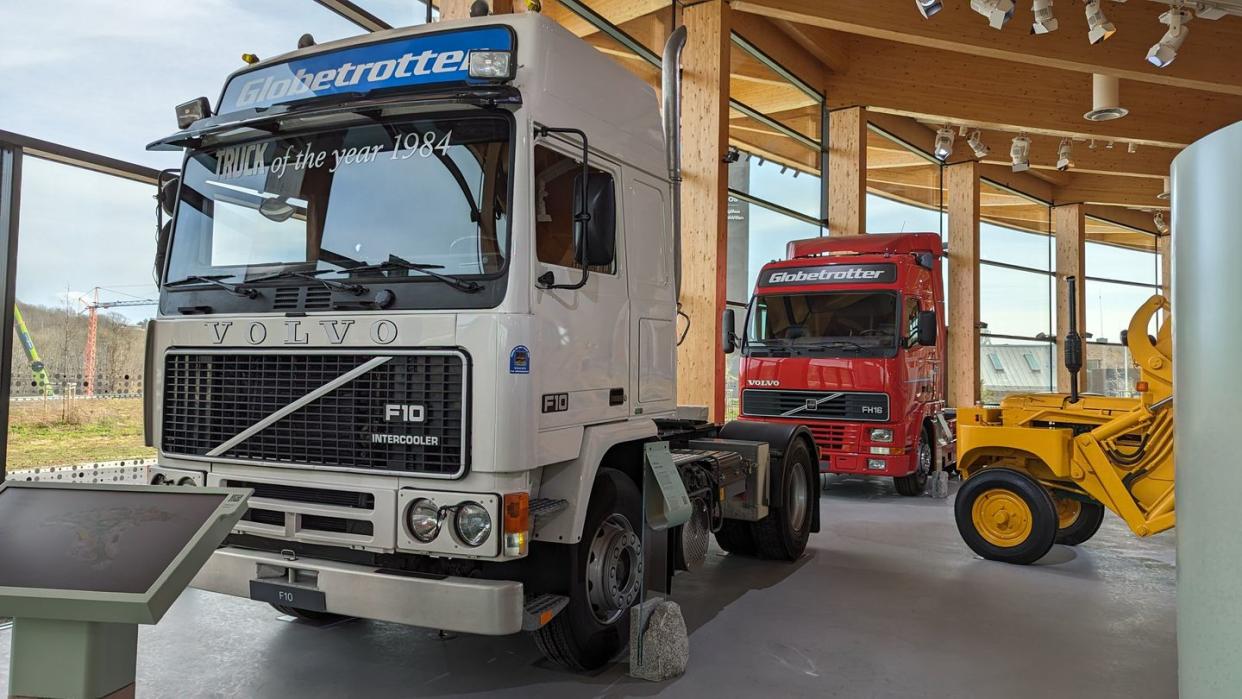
pixel 837 324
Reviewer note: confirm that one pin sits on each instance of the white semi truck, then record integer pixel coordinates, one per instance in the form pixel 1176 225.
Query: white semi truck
pixel 419 292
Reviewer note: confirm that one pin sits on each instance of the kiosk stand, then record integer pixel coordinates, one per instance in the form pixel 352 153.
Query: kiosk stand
pixel 81 565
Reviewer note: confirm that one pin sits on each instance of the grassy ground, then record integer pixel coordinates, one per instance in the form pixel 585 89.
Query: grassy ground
pixel 58 432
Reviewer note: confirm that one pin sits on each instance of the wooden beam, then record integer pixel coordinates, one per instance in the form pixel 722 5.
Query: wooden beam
pixel 962 185
pixel 947 87
pixel 1208 61
pixel 847 172
pixel 704 196
pixel 1068 225
pixel 1142 220
pixel 824 44
pixel 1106 190
pixel 617 12
pixel 776 44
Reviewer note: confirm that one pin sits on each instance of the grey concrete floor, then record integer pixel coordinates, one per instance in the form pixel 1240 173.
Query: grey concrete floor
pixel 888 602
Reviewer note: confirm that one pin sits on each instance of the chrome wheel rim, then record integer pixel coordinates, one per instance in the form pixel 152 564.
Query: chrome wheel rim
pixel 798 497
pixel 925 459
pixel 614 569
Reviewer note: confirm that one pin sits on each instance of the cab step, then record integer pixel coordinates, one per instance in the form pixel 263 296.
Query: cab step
pixel 541 609
pixel 546 507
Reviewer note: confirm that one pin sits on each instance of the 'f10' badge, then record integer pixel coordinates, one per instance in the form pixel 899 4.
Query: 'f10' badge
pixel 555 402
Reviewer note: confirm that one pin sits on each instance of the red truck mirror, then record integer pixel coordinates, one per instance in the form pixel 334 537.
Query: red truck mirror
pixel 928 328
pixel 728 339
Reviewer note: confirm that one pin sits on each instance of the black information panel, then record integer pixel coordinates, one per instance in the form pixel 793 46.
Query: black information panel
pixel 101 540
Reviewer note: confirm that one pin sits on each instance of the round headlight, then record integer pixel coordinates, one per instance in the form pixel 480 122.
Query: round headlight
pixel 472 524
pixel 423 520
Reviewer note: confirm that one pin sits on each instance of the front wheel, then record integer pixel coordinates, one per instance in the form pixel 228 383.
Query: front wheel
pixel 783 534
pixel 1005 515
pixel 1077 520
pixel 607 571
pixel 308 615
pixel 915 483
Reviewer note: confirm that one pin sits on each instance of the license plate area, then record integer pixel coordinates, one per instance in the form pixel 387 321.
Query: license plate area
pixel 288 587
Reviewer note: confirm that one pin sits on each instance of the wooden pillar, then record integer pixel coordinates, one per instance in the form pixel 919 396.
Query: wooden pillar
pixel 1164 246
pixel 962 186
pixel 847 171
pixel 704 200
pixel 460 9
pixel 1069 226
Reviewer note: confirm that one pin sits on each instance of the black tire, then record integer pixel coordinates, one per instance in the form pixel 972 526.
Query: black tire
pixel 1082 527
pixel 782 535
pixel 735 537
pixel 577 638
pixel 916 483
pixel 308 615
pixel 1009 489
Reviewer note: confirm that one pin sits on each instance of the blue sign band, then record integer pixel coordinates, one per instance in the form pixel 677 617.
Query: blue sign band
pixel 430 59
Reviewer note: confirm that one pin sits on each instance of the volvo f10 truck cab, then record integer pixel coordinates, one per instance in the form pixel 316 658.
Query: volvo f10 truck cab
pixel 846 336
pixel 419 293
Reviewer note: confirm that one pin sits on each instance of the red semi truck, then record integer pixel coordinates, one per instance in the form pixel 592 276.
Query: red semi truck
pixel 847 337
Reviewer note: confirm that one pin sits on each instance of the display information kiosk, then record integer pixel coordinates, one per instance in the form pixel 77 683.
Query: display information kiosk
pixel 81 565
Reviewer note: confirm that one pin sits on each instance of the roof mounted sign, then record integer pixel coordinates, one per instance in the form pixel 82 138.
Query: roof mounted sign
pixel 884 273
pixel 411 61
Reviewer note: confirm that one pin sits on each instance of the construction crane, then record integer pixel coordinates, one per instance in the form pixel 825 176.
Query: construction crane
pixel 92 328
pixel 39 371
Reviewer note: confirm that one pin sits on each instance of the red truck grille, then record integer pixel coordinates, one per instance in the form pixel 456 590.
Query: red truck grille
pixel 836 437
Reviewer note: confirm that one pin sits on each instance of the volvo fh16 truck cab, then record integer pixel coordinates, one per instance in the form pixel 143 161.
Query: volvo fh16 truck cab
pixel 418 292
pixel 846 336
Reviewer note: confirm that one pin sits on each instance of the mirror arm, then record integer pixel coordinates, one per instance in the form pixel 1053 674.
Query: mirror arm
pixel 581 217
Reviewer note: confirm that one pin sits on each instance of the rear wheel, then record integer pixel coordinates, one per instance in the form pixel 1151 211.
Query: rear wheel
pixel 735 538
pixel 783 534
pixel 607 579
pixel 1005 515
pixel 1077 520
pixel 915 483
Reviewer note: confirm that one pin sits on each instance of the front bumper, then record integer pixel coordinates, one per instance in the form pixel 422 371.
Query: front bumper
pixel 894 465
pixel 466 605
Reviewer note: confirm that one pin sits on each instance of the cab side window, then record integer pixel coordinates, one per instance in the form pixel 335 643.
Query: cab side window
pixel 912 322
pixel 556 176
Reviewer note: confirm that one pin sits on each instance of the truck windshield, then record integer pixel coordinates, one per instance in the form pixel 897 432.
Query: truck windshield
pixel 839 324
pixel 433 192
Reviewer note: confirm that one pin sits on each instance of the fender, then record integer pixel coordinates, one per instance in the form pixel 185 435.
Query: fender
pixel 572 480
pixel 780 436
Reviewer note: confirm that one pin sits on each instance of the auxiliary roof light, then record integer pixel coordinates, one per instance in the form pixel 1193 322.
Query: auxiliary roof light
pixel 944 143
pixel 998 12
pixel 496 65
pixel 927 8
pixel 975 141
pixel 1065 155
pixel 1165 50
pixel 1020 153
pixel 1098 26
pixel 1044 20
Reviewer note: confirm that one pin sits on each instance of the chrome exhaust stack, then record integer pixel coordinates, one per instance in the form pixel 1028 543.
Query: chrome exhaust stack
pixel 671 91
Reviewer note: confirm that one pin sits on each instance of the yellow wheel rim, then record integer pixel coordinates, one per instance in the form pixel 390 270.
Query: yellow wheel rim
pixel 1002 518
pixel 1068 511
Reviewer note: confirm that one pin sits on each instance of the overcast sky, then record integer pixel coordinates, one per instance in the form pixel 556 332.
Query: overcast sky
pixel 104 76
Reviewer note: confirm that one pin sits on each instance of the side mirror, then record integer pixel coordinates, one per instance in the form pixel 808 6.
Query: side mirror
pixel 595 239
pixel 728 339
pixel 928 328
pixel 167 194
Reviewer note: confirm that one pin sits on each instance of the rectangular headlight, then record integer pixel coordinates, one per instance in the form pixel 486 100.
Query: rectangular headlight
pixel 192 111
pixel 875 464
pixel 881 434
pixel 493 65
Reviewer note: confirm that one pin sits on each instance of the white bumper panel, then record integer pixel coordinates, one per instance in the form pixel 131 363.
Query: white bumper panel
pixel 467 605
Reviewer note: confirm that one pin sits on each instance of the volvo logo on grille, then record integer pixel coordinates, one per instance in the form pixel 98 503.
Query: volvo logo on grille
pixel 334 332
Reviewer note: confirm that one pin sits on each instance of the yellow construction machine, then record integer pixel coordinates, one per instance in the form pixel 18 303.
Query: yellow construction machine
pixel 1041 468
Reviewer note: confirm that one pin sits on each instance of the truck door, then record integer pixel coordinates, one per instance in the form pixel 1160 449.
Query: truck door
pixel 921 363
pixel 584 345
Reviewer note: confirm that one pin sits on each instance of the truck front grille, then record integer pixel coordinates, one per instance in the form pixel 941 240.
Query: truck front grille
pixel 816 405
pixel 406 415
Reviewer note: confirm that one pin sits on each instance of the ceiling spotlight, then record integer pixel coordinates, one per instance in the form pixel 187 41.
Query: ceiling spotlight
pixel 927 8
pixel 1065 155
pixel 1020 153
pixel 1109 145
pixel 1091 145
pixel 1164 193
pixel 1161 224
pixel 998 12
pixel 1098 26
pixel 1165 50
pixel 1105 99
pixel 1131 147
pixel 1044 20
pixel 975 141
pixel 944 143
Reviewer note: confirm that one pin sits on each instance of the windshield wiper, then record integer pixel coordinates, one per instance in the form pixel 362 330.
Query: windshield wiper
pixel 214 280
pixel 355 289
pixel 835 344
pixel 394 262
